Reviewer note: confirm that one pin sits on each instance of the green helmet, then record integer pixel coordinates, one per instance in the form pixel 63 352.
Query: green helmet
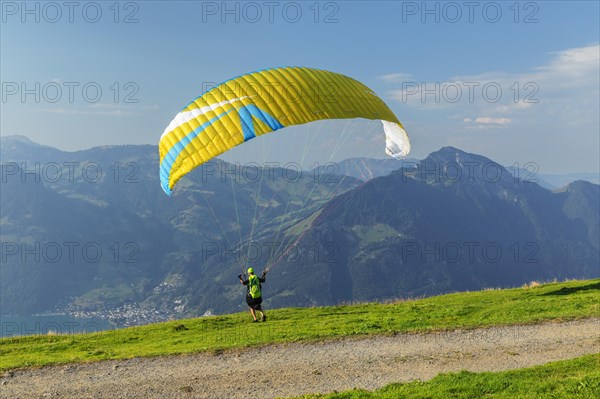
pixel 250 270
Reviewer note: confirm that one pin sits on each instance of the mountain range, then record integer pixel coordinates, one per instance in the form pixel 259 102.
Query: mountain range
pixel 91 231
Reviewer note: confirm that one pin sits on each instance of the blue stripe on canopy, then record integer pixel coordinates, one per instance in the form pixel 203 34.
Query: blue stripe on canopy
pixel 169 159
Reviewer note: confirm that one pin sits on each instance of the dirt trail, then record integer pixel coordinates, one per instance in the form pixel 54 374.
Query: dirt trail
pixel 296 369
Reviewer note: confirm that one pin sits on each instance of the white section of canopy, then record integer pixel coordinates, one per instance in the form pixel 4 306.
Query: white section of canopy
pixel 184 117
pixel 397 144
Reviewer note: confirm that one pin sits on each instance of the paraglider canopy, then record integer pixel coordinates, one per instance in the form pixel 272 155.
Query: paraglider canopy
pixel 264 101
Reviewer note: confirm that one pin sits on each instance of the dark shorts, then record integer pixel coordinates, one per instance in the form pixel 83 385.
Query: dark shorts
pixel 254 303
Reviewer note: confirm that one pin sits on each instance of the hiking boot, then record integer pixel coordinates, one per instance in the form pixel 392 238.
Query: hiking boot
pixel 254 321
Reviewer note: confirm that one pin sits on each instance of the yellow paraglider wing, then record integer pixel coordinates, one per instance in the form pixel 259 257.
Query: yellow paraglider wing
pixel 264 101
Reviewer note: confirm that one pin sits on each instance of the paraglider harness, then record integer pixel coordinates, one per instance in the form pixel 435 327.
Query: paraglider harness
pixel 254 287
pixel 254 290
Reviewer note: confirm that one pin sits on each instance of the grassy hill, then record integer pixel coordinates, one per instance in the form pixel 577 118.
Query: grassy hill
pixel 526 305
pixel 575 378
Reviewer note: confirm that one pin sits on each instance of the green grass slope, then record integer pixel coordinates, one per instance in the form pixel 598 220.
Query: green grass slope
pixel 526 305
pixel 575 378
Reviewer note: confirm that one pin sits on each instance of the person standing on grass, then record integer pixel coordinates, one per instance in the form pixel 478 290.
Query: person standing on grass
pixel 254 293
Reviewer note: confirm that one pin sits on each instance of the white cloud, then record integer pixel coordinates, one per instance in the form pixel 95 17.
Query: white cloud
pixel 547 114
pixel 396 77
pixel 494 121
pixel 75 111
pixel 485 122
pixel 566 90
pixel 102 109
pixel 123 107
pixel 574 66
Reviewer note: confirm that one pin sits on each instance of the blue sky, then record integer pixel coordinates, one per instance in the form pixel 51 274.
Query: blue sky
pixel 543 56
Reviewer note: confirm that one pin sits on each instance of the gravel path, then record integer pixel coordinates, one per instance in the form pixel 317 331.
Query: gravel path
pixel 296 369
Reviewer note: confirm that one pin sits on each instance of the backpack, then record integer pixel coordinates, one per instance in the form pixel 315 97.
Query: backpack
pixel 254 287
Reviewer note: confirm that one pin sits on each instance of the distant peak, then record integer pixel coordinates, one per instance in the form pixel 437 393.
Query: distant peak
pixel 448 162
pixel 450 148
pixel 580 184
pixel 17 137
pixel 453 154
pixel 453 151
